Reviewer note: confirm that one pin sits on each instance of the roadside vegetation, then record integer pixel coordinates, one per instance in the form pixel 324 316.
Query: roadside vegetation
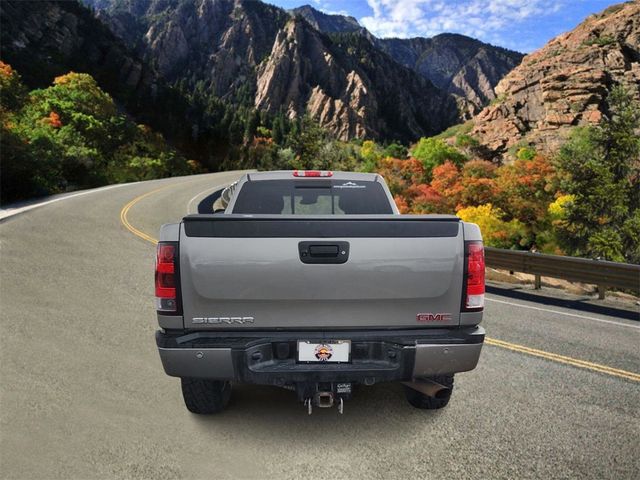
pixel 583 202
pixel 72 135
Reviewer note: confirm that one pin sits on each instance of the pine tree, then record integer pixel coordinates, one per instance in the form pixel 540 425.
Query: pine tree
pixel 253 121
pixel 600 167
pixel 278 128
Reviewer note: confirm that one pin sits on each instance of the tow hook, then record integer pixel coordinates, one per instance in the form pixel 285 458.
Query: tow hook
pixel 324 400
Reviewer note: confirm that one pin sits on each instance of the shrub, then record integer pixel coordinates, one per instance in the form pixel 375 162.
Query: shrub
pixel 432 152
pixel 496 232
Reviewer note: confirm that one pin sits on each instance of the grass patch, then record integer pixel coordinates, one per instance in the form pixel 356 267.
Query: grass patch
pixel 499 99
pixel 456 130
pixel 600 41
pixel 613 9
pixel 576 107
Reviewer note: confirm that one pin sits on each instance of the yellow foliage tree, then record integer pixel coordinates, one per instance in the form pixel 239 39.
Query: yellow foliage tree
pixel 496 232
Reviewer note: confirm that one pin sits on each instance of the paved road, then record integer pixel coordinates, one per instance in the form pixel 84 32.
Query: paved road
pixel 84 394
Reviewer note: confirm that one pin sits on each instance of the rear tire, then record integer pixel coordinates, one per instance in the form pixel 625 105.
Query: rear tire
pixel 205 397
pixel 425 402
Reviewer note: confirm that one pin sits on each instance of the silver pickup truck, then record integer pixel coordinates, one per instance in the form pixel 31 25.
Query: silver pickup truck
pixel 313 281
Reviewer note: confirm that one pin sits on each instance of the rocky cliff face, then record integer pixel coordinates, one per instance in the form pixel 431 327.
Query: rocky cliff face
pixel 251 54
pixel 42 40
pixel 218 42
pixel 352 89
pixel 457 64
pixel 328 23
pixel 258 55
pixel 301 74
pixel 564 84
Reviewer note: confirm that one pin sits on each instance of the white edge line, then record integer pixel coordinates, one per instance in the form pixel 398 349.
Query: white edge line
pixel 210 189
pixel 10 212
pixel 602 320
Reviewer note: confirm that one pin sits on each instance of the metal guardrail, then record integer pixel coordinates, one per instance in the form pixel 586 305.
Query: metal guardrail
pixel 595 272
pixel 227 193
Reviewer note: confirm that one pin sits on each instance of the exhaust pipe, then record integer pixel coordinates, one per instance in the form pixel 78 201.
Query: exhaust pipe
pixel 428 387
pixel 324 399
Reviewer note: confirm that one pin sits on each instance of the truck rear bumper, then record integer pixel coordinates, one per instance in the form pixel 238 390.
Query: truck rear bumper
pixel 269 358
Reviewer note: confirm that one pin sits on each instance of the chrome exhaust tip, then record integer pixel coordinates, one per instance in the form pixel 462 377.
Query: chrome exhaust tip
pixel 428 387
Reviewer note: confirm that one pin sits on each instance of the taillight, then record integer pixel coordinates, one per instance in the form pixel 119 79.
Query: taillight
pixel 312 173
pixel 474 280
pixel 166 278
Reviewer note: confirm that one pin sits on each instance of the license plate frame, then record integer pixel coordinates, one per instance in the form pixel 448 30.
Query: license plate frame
pixel 316 351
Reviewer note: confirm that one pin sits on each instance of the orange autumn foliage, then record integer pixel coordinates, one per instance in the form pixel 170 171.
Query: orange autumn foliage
pixel 401 174
pixel 478 183
pixel 447 183
pixel 526 187
pixel 53 119
pixel 5 69
pixel 401 202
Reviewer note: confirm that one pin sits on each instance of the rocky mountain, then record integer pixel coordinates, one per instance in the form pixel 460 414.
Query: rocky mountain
pixel 328 23
pixel 252 53
pixel 212 61
pixel 564 84
pixel 349 86
pixel 46 39
pixel 459 65
pixel 43 40
pixel 219 42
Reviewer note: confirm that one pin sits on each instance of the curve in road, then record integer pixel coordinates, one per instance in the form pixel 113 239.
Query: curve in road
pixel 84 396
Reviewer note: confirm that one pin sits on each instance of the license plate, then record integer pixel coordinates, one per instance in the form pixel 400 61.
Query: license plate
pixel 331 352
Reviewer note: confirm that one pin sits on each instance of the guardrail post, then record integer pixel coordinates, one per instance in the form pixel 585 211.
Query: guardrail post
pixel 601 291
pixel 537 282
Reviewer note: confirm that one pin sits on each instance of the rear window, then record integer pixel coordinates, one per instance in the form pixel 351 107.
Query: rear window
pixel 312 197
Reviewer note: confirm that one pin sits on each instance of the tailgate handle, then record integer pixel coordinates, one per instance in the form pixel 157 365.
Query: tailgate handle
pixel 323 252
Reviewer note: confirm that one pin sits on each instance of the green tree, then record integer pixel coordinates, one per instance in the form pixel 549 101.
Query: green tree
pixel 236 130
pixel 278 129
pixel 395 150
pixel 30 164
pixel 433 152
pixel 600 168
pixel 12 91
pixel 308 146
pixel 371 153
pixel 71 135
pixel 253 121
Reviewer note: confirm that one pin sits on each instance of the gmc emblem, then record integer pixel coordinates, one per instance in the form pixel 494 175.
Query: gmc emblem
pixel 433 317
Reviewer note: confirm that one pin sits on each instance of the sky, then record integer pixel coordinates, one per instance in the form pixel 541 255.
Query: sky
pixel 522 25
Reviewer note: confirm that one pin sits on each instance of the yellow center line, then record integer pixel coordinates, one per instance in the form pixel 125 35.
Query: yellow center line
pixel 554 357
pixel 125 211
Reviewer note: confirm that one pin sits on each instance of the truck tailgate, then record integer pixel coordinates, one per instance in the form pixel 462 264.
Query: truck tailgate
pixel 294 272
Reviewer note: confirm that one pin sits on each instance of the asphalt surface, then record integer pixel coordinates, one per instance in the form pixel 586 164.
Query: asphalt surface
pixel 83 393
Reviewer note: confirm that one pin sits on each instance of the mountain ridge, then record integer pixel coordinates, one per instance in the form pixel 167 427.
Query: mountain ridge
pixel 221 46
pixel 235 42
pixel 564 84
pixel 459 65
